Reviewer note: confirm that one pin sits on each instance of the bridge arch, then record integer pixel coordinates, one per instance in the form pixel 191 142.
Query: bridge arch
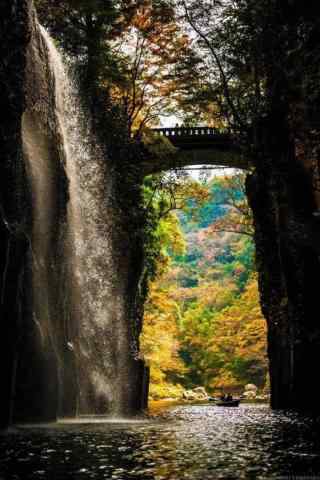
pixel 198 146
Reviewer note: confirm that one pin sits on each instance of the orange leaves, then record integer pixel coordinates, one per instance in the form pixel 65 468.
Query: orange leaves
pixel 149 51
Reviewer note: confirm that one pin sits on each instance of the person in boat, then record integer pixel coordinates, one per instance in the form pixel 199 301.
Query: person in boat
pixel 229 398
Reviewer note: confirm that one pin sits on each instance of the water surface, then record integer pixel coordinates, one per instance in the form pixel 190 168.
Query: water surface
pixel 198 442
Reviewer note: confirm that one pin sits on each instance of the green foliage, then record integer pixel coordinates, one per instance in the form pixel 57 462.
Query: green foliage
pixel 84 30
pixel 163 194
pixel 117 47
pixel 218 334
pixel 209 211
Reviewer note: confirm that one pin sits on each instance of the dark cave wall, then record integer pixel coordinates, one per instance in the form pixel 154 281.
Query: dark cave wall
pixel 287 234
pixel 33 322
pixel 15 36
pixel 284 195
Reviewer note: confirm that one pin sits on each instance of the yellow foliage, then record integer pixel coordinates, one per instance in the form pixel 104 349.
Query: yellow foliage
pixel 171 236
pixel 159 344
pixel 225 382
pixel 240 333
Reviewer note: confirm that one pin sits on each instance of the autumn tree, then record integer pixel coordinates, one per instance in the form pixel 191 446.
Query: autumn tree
pixel 239 342
pixel 222 81
pixel 204 301
pixel 238 215
pixel 148 53
pixel 159 340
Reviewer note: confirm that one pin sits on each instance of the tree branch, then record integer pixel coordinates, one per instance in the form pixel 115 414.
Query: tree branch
pixel 218 63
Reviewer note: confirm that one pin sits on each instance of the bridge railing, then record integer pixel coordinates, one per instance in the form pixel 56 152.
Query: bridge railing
pixel 190 131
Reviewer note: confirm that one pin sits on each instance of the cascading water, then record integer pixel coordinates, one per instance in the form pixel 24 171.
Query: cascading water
pixel 95 338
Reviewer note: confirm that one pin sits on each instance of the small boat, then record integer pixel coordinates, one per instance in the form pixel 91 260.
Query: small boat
pixel 212 399
pixel 228 403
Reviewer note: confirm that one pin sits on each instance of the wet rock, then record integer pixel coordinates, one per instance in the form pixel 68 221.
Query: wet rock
pixel 198 393
pixel 189 395
pixel 249 395
pixel 250 387
pixel 263 397
pixel 201 393
pixel 250 391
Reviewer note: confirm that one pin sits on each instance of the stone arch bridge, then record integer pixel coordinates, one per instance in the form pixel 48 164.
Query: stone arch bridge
pixel 199 146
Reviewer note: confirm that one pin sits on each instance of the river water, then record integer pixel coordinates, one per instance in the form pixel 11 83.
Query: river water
pixel 197 442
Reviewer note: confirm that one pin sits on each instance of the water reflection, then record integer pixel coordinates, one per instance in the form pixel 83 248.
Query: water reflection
pixel 189 442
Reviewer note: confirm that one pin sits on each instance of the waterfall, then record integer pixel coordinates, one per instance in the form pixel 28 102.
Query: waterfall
pixel 95 333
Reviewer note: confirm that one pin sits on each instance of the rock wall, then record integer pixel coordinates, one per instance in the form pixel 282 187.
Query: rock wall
pixel 112 375
pixel 15 36
pixel 55 358
pixel 33 217
pixel 287 234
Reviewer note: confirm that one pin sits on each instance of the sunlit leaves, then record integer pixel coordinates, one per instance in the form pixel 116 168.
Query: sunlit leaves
pixel 159 342
pixel 209 292
pixel 148 53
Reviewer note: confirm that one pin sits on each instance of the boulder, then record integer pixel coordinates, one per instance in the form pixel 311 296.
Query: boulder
pixel 198 393
pixel 262 398
pixel 201 393
pixel 250 387
pixel 189 395
pixel 250 394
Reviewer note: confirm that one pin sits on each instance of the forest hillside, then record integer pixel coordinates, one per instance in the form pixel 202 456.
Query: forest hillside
pixel 203 325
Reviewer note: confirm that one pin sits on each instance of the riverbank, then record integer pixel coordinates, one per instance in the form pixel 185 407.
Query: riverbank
pixel 158 405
